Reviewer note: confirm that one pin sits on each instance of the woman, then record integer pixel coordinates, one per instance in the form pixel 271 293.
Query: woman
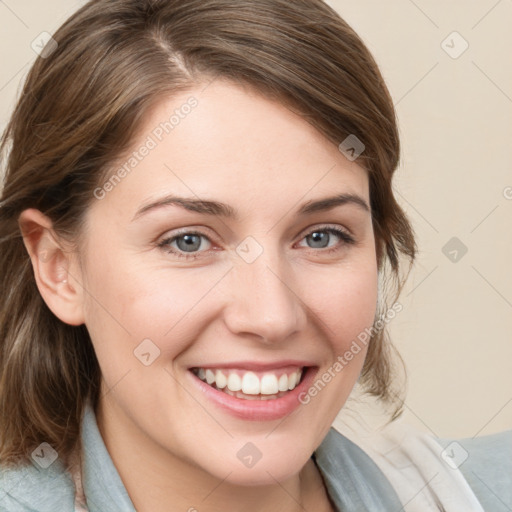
pixel 198 227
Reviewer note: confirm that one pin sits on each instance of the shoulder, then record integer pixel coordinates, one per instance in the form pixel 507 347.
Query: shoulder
pixel 32 487
pixel 486 463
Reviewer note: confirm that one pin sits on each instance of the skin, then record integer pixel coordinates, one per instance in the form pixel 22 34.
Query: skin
pixel 173 448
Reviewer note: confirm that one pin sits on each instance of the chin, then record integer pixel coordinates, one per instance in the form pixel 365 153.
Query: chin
pixel 251 467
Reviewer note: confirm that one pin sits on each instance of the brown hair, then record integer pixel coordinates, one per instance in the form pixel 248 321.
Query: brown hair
pixel 79 111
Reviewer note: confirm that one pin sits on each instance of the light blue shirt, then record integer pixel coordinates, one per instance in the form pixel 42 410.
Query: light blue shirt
pixel 352 479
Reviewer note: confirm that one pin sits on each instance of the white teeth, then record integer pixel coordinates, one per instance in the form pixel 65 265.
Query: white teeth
pixel 210 377
pixel 283 383
pixel 220 380
pixel 292 380
pixel 234 382
pixel 250 383
pixel 269 384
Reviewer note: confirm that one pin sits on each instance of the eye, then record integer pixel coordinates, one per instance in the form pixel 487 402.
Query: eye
pixel 321 238
pixel 187 243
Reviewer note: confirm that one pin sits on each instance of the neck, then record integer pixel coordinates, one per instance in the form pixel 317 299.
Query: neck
pixel 160 481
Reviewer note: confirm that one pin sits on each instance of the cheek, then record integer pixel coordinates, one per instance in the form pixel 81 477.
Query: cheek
pixel 344 307
pixel 345 303
pixel 129 303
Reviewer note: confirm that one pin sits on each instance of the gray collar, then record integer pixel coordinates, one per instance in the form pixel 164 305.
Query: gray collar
pixel 353 480
pixel 102 484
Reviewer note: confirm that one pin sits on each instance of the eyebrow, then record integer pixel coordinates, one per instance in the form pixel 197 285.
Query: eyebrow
pixel 224 210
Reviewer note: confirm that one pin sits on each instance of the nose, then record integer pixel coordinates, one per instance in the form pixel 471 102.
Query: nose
pixel 264 301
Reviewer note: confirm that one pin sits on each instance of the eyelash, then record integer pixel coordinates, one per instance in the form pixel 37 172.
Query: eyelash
pixel 344 236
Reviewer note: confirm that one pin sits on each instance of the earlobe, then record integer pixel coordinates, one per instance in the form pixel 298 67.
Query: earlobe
pixel 54 265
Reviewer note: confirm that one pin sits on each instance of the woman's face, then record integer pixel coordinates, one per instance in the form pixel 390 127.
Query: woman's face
pixel 248 297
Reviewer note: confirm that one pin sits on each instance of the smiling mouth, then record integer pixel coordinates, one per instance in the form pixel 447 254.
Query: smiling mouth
pixel 252 385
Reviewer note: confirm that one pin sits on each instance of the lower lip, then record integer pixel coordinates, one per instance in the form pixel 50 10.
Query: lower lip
pixel 257 410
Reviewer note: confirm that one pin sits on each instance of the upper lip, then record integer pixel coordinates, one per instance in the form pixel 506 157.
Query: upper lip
pixel 255 365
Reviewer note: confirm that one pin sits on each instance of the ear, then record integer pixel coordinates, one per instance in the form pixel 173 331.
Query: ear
pixel 55 267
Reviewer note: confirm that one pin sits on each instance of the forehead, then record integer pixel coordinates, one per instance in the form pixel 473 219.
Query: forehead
pixel 223 141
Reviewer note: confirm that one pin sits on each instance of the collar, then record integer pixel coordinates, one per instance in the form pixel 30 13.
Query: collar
pixel 103 487
pixel 353 481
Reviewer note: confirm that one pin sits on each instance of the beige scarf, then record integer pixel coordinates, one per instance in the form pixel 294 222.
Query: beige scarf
pixel 424 475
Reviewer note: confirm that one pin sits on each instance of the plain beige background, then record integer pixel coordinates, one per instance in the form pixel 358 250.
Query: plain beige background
pixel 455 112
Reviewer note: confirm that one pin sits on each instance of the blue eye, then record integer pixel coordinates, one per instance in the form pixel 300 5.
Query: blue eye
pixel 189 244
pixel 322 237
